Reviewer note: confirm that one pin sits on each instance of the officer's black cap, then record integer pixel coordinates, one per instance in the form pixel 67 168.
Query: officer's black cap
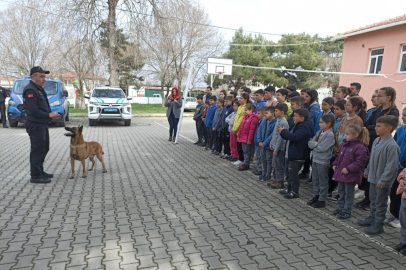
pixel 38 69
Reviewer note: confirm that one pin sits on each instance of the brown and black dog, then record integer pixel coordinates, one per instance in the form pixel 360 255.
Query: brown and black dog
pixel 81 150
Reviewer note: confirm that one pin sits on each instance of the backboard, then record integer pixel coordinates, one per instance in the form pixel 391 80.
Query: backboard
pixel 216 65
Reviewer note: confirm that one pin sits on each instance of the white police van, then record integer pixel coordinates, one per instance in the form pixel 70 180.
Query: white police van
pixel 108 103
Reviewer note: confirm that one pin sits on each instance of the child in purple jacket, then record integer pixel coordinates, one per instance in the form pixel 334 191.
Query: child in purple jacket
pixel 349 166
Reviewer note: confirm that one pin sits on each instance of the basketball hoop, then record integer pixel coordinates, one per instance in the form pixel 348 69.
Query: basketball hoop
pixel 221 75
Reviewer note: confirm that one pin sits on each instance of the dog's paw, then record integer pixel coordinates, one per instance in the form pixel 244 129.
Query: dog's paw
pixel 105 171
pixel 90 170
pixel 84 176
pixel 72 176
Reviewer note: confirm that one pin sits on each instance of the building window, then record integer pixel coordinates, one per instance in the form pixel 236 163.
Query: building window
pixel 375 63
pixel 402 64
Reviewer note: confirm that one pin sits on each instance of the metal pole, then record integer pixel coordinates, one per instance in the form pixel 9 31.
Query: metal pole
pixel 185 94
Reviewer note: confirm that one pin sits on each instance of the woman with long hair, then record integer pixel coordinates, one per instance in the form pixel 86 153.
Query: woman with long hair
pixel 174 104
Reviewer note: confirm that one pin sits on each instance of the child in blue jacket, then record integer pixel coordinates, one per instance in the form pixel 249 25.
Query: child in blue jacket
pixel 258 134
pixel 208 122
pixel 264 142
pixel 326 108
pixel 296 150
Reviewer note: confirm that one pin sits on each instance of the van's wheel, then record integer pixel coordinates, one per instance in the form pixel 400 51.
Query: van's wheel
pixel 13 124
pixel 67 117
pixel 61 123
pixel 92 122
pixel 127 122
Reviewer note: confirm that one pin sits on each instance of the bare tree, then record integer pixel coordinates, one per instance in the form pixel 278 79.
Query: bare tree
pixel 175 43
pixel 26 35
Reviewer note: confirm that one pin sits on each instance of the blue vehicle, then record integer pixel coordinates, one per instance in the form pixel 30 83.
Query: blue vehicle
pixel 56 94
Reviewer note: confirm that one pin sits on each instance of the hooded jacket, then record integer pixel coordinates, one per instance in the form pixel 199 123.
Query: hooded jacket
pixel 354 157
pixel 314 109
pixel 258 131
pixel 277 142
pixel 297 138
pixel 217 119
pixel 199 112
pixel 247 129
pixel 238 118
pixel 317 121
pixel 230 121
pixel 400 138
pixel 323 147
pixel 208 121
pixel 227 110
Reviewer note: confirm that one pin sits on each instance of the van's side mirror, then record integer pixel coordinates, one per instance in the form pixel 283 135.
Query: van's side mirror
pixel 65 93
pixel 129 98
pixel 87 96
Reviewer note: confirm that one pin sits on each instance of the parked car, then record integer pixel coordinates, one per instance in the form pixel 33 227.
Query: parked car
pixel 190 103
pixel 108 103
pixel 56 94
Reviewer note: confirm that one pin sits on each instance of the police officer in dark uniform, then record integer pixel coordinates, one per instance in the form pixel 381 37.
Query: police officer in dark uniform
pixel 3 95
pixel 38 116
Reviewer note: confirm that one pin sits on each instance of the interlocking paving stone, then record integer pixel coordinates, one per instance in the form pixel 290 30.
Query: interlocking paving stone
pixel 165 206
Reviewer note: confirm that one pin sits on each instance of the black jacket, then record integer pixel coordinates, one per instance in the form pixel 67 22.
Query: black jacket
pixel 299 137
pixel 36 104
pixel 3 94
pixel 371 122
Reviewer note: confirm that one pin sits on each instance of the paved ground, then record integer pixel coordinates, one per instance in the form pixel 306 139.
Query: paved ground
pixel 165 206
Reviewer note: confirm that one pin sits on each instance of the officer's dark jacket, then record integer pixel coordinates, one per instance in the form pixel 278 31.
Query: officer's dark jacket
pixel 3 94
pixel 36 103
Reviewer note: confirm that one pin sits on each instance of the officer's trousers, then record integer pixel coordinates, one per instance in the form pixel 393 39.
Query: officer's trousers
pixel 3 113
pixel 39 138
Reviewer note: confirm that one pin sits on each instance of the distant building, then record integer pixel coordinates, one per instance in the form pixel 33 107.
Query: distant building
pixel 7 81
pixel 379 48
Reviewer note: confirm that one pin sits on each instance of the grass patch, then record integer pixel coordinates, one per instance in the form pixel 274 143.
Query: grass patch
pixel 136 109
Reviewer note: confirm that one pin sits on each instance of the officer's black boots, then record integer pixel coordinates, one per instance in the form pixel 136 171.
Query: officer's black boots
pixel 5 126
pixel 47 175
pixel 41 180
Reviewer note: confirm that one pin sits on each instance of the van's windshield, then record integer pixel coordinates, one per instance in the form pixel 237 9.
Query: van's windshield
pixel 51 88
pixel 108 93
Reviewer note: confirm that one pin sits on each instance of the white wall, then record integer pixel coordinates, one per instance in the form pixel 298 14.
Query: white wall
pixel 146 100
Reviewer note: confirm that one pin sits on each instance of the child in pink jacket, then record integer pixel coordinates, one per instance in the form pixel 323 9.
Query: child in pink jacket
pixel 246 134
pixel 402 213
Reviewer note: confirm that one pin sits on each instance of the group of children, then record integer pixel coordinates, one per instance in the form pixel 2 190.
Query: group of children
pixel 345 145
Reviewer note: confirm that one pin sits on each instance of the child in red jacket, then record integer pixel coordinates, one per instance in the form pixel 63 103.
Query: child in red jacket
pixel 246 134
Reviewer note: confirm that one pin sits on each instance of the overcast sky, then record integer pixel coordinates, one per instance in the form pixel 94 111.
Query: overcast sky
pixel 326 18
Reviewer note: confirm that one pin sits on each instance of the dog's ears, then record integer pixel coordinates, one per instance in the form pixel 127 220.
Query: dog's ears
pixel 80 129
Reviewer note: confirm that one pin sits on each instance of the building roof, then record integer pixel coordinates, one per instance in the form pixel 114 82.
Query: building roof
pixel 373 27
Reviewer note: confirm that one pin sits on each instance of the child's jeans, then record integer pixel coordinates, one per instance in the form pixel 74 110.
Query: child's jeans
pixel 246 148
pixel 199 129
pixel 278 164
pixel 214 135
pixel 293 178
pixel 258 157
pixel 233 145
pixel 379 202
pixel 320 180
pixel 346 192
pixel 266 156
pixel 402 219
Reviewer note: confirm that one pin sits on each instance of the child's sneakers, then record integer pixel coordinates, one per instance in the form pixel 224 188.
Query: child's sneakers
pixel 319 204
pixel 343 215
pixel 359 194
pixel 313 200
pixel 375 229
pixel 238 163
pixel 336 212
pixel 277 185
pixel 401 248
pixel 395 223
pixel 258 173
pixel 284 191
pixel 243 168
pixel 366 222
pixel 389 218
pixel 291 195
